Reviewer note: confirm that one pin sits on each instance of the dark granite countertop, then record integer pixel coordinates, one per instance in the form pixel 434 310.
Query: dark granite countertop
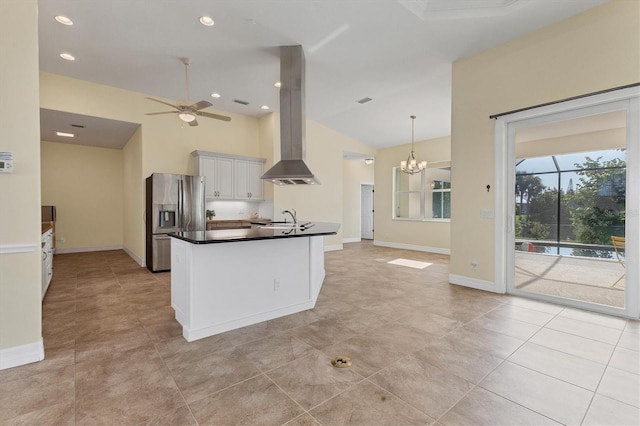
pixel 257 232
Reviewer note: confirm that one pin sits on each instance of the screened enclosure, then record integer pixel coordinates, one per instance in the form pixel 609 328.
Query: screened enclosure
pixel 571 204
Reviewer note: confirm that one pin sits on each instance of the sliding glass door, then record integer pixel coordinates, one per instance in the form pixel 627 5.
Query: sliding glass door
pixel 567 223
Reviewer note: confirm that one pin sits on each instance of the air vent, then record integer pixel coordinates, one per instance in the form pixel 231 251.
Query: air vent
pixel 241 102
pixel 79 126
pixel 364 100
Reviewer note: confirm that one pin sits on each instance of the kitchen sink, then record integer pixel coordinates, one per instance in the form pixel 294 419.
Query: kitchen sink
pixel 281 225
pixel 287 225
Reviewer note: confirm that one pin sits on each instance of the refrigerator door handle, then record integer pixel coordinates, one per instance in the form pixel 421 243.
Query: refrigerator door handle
pixel 181 204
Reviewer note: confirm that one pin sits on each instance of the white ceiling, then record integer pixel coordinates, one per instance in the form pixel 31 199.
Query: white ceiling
pixel 397 52
pixel 575 126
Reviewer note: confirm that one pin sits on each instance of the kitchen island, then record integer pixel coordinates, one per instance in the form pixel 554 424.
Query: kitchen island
pixel 231 278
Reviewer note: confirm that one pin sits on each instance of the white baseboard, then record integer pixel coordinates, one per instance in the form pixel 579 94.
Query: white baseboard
pixel 351 240
pixel 134 256
pixel 333 247
pixel 199 333
pixel 21 355
pixel 403 246
pixel 87 249
pixel 472 283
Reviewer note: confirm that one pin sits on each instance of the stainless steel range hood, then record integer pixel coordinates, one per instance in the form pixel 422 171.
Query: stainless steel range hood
pixel 291 169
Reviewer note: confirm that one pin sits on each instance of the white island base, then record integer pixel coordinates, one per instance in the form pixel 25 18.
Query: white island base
pixel 227 285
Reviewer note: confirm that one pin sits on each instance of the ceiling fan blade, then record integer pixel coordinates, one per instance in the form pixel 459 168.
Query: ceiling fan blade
pixel 162 102
pixel 164 112
pixel 210 115
pixel 200 105
pixel 193 123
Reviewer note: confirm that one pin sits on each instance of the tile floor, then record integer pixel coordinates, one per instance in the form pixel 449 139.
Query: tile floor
pixel 424 352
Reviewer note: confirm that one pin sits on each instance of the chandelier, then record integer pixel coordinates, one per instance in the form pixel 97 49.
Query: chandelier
pixel 411 166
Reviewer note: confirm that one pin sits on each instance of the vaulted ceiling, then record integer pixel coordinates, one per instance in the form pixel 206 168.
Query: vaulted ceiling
pixel 398 53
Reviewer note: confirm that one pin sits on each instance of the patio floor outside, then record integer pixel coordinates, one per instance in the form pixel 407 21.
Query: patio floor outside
pixel 587 279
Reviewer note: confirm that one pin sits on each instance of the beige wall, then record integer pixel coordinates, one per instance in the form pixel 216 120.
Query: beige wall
pixel 596 50
pixel 86 186
pixel 354 174
pixel 421 234
pixel 325 148
pixel 20 273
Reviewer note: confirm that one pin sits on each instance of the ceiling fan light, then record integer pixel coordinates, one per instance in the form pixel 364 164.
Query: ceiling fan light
pixel 187 117
pixel 63 20
pixel 207 21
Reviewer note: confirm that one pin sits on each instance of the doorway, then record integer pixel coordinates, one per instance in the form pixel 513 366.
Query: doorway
pixel 366 211
pixel 522 268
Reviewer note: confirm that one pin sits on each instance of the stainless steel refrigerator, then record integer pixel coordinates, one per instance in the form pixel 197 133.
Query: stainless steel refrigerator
pixel 174 203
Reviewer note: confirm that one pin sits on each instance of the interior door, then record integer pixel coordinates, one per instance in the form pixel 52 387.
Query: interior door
pixel 366 210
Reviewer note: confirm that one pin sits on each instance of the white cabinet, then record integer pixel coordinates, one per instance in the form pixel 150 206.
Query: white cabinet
pixel 248 185
pixel 47 260
pixel 229 177
pixel 218 173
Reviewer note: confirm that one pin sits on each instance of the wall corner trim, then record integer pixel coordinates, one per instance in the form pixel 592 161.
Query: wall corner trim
pixel 473 283
pixel 21 355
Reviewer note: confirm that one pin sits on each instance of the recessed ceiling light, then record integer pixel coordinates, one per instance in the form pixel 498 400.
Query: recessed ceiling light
pixel 278 84
pixel 66 134
pixel 63 20
pixel 67 56
pixel 264 107
pixel 215 95
pixel 206 20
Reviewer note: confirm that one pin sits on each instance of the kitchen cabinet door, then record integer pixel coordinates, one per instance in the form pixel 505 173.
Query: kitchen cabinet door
pixel 218 174
pixel 256 184
pixel 242 188
pixel 207 168
pixel 225 178
pixel 248 185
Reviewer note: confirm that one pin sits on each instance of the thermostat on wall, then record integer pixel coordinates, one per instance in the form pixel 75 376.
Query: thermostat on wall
pixel 6 162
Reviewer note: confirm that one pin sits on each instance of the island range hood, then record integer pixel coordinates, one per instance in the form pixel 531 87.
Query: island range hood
pixel 291 169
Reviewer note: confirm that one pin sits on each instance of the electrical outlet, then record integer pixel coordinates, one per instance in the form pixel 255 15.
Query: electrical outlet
pixel 474 264
pixel 61 240
pixel 276 284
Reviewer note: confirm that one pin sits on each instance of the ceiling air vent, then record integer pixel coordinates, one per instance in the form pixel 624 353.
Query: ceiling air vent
pixel 364 100
pixel 80 126
pixel 241 102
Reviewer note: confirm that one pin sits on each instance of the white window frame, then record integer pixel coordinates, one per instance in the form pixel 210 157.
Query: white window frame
pixel 424 191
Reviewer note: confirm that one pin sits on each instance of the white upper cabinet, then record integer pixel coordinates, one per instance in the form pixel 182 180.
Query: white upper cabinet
pixel 248 185
pixel 256 170
pixel 218 173
pixel 230 177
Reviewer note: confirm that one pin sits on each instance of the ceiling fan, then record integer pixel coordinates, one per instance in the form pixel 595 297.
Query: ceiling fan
pixel 186 111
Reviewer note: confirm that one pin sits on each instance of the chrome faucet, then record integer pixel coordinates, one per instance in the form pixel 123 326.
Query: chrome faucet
pixel 292 212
